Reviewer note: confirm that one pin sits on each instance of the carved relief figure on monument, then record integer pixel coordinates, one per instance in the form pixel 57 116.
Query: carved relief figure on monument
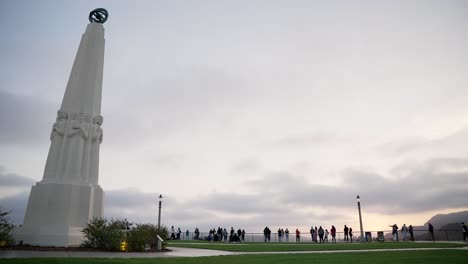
pixel 56 136
pixel 78 133
pixel 96 140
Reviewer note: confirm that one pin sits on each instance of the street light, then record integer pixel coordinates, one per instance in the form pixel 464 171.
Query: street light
pixel 159 214
pixel 358 199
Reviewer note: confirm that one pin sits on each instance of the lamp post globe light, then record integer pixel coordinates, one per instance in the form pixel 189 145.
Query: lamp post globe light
pixel 358 199
pixel 159 214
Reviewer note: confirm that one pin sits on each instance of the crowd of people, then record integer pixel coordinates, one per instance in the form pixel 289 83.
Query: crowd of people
pixel 409 230
pixel 318 235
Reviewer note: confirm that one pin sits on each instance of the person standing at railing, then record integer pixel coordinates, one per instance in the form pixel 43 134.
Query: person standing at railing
pixel 333 233
pixel 243 235
pixel 279 234
pixel 431 232
pixel 298 236
pixel 231 233
pixel 326 236
pixel 394 231
pixel 321 232
pixel 351 234
pixel 265 233
pixel 172 233
pixel 178 233
pixel 404 231
pixel 225 235
pixel 312 233
pixel 286 232
pixel 315 235
pixel 410 229
pixel 219 233
pixel 346 229
pixel 465 231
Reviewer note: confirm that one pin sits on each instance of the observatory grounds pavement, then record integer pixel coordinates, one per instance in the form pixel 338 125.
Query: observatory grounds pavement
pixel 178 252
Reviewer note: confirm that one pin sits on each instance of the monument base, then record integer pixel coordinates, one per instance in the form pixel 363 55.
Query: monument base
pixel 57 213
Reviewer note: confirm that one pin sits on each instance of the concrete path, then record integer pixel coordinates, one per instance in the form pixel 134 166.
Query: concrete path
pixel 179 252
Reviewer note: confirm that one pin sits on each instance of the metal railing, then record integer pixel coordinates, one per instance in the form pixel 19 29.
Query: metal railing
pixel 419 235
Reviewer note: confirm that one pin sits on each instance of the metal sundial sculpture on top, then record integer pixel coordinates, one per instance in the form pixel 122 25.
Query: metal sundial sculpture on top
pixel 98 15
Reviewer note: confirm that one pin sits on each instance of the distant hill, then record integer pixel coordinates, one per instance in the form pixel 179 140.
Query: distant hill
pixel 449 223
pixel 440 220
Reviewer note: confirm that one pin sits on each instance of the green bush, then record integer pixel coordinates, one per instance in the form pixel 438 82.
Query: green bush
pixel 104 234
pixel 6 227
pixel 144 235
pixel 101 233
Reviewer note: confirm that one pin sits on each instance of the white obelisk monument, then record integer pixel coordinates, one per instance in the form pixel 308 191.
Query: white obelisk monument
pixel 69 196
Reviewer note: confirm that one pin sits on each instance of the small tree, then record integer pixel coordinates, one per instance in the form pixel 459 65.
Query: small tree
pixel 5 229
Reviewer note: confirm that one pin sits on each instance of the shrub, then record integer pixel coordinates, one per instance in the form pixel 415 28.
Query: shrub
pixel 144 235
pixel 101 233
pixel 6 227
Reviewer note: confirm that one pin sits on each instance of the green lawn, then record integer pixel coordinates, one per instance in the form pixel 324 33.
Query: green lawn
pixel 273 247
pixel 396 257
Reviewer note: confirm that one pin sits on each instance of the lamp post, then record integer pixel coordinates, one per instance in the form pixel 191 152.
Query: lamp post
pixel 159 214
pixel 358 199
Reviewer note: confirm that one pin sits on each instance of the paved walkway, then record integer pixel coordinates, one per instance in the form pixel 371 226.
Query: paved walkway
pixel 175 252
pixel 178 252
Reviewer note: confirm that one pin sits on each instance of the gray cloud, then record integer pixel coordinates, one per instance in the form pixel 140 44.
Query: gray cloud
pixel 248 166
pixel 14 180
pixel 24 119
pixel 413 146
pixel 429 185
pixel 283 199
pixel 16 205
pixel 317 138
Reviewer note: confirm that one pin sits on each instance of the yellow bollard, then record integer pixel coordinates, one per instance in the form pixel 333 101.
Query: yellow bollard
pixel 123 245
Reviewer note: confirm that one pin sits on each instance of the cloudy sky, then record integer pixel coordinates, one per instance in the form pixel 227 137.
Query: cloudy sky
pixel 251 113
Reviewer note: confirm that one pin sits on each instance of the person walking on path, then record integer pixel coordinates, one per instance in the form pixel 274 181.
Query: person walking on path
pixel 410 230
pixel 346 229
pixel 321 232
pixel 333 233
pixel 404 232
pixel 287 234
pixel 298 236
pixel 431 232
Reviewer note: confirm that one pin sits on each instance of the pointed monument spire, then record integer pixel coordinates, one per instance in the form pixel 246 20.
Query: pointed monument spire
pixel 69 195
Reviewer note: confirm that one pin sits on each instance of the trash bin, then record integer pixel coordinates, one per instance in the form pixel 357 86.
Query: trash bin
pixel 380 236
pixel 368 237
